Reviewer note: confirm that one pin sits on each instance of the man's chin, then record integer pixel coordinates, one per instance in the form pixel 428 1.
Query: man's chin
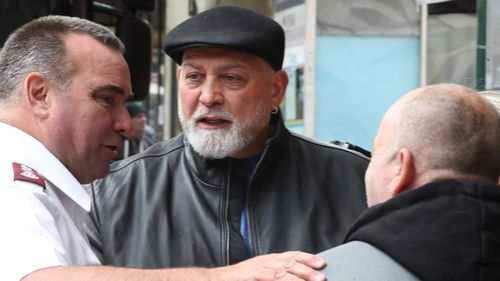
pixel 210 152
pixel 214 143
pixel 101 170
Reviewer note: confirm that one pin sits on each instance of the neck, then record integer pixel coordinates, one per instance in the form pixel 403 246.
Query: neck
pixel 23 119
pixel 440 174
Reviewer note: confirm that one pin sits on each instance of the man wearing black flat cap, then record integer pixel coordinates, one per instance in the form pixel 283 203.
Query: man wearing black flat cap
pixel 236 183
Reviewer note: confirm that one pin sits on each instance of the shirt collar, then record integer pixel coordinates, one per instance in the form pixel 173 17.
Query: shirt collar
pixel 21 147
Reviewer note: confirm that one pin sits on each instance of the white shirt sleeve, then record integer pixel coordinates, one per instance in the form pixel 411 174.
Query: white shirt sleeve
pixel 29 232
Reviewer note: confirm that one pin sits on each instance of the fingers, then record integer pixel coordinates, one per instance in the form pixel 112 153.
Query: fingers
pixel 289 266
pixel 304 273
pixel 303 266
pixel 310 260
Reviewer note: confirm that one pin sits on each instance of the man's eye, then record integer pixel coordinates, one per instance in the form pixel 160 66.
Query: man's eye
pixel 231 78
pixel 193 76
pixel 106 99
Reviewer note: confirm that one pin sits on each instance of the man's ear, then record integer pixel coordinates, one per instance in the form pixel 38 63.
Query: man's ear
pixel 36 89
pixel 404 172
pixel 280 82
pixel 178 74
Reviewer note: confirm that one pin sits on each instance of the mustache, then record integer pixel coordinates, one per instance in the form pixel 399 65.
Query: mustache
pixel 217 112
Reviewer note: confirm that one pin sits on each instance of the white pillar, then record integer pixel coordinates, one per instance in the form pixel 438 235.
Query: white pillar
pixel 176 12
pixel 423 44
pixel 310 69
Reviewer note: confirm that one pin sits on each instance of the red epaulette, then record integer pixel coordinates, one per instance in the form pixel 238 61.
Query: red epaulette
pixel 25 173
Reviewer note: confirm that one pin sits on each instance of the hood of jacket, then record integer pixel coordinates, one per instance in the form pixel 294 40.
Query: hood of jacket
pixel 444 230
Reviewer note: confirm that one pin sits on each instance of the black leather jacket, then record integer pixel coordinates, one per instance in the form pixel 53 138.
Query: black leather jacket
pixel 170 207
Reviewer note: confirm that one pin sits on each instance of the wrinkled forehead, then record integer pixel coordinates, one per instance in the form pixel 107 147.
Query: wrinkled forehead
pixel 194 56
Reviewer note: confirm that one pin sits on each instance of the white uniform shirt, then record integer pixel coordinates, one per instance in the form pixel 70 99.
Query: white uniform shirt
pixel 39 226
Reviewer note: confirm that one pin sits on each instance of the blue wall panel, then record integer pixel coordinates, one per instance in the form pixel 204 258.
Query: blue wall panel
pixel 357 79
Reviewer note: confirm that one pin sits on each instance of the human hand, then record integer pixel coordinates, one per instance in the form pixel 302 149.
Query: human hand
pixel 288 266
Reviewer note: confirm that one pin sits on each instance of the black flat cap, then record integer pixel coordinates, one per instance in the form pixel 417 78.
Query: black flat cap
pixel 134 109
pixel 232 28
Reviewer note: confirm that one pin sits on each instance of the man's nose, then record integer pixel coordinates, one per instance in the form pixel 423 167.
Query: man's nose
pixel 211 93
pixel 123 122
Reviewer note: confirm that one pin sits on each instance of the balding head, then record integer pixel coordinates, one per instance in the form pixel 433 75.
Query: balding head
pixel 435 132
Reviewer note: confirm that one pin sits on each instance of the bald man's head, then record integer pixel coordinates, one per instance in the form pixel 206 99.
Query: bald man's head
pixel 445 131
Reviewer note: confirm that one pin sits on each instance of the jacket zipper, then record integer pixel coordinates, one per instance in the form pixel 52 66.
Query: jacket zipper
pixel 250 230
pixel 226 213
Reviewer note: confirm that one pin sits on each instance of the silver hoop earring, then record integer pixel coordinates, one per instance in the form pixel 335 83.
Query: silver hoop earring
pixel 274 110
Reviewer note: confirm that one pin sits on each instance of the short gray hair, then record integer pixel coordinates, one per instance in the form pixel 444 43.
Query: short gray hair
pixel 39 46
pixel 452 128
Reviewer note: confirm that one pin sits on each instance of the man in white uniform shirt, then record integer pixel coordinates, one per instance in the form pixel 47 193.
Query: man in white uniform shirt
pixel 63 86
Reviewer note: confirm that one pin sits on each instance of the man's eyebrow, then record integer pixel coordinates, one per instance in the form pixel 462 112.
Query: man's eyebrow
pixel 229 66
pixel 190 64
pixel 219 67
pixel 111 88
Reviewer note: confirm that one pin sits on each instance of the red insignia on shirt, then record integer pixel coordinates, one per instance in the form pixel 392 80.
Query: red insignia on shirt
pixel 25 173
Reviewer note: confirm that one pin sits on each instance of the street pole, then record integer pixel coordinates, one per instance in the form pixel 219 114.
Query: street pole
pixel 481 45
pixel 423 44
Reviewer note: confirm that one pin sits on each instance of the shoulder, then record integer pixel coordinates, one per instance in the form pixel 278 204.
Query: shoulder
pixel 361 261
pixel 13 174
pixel 157 151
pixel 31 223
pixel 24 204
pixel 20 195
pixel 21 188
pixel 124 173
pixel 326 148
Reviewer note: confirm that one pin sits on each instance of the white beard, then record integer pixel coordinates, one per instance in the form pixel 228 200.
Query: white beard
pixel 221 143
